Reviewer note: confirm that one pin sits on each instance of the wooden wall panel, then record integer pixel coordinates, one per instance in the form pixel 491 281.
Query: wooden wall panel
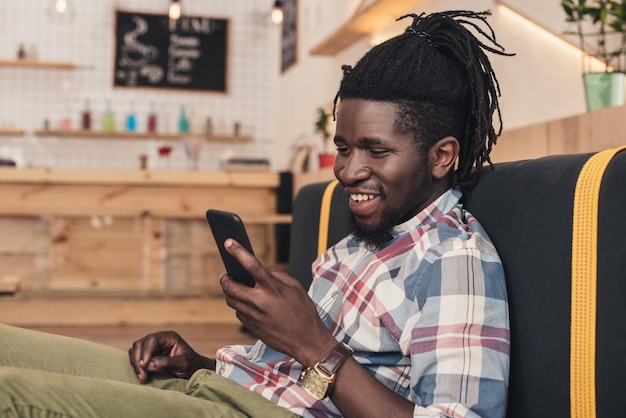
pixel 24 252
pixel 193 263
pixel 118 255
pixel 126 232
pixel 99 253
pixel 589 132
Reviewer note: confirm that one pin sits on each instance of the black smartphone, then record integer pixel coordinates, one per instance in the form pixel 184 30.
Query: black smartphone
pixel 229 225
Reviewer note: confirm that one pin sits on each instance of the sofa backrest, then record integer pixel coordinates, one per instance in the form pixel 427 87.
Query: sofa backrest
pixel 527 209
pixel 306 224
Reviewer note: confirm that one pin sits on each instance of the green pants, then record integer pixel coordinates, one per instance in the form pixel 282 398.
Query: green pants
pixel 44 375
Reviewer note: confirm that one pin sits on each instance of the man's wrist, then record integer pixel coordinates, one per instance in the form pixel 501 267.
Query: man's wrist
pixel 319 379
pixel 316 353
pixel 208 363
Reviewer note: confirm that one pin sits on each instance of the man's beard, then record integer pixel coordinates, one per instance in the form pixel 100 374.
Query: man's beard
pixel 378 235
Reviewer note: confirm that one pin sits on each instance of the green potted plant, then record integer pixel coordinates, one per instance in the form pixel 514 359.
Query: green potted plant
pixel 600 26
pixel 322 127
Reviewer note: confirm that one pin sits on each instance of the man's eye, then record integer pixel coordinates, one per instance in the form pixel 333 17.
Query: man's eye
pixel 342 149
pixel 378 152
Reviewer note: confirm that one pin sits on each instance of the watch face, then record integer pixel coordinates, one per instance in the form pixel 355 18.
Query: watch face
pixel 314 384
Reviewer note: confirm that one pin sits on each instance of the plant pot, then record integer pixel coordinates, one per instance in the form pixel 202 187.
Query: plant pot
pixel 604 89
pixel 326 160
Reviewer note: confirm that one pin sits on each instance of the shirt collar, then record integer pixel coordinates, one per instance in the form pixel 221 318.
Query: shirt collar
pixel 431 213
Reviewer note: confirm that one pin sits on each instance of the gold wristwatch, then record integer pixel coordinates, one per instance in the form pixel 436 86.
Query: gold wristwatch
pixel 318 380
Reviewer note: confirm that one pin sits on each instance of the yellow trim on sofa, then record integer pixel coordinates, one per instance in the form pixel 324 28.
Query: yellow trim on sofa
pixel 327 197
pixel 584 277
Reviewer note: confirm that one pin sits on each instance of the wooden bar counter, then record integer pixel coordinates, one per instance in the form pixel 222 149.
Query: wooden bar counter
pixel 126 232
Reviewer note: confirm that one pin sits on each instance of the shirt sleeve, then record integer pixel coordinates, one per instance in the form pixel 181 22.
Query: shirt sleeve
pixel 459 344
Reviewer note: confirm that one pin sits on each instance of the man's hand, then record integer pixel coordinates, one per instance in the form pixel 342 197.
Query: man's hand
pixel 277 310
pixel 166 352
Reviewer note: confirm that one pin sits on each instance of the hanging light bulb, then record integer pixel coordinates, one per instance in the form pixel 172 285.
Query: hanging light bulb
pixel 60 6
pixel 277 12
pixel 174 11
pixel 60 10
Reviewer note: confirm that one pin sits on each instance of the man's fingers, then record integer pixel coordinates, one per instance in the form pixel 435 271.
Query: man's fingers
pixel 178 366
pixel 152 352
pixel 134 361
pixel 159 364
pixel 149 347
pixel 136 354
pixel 247 260
pixel 237 294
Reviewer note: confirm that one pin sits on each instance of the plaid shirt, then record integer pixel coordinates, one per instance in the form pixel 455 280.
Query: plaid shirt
pixel 427 315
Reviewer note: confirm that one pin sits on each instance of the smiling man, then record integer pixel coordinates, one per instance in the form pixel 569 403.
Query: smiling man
pixel 411 311
pixel 407 316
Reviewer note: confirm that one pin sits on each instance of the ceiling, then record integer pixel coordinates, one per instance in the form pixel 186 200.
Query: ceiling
pixel 370 18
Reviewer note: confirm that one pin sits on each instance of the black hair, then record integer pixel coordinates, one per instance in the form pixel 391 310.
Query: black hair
pixel 438 74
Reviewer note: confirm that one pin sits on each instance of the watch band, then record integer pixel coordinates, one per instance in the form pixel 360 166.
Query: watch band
pixel 331 363
pixel 319 379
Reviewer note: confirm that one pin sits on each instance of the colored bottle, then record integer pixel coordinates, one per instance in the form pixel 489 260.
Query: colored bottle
pixel 66 124
pixel 108 122
pixel 86 117
pixel 131 121
pixel 152 120
pixel 183 123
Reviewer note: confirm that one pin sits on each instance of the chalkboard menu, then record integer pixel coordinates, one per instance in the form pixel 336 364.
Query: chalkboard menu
pixel 289 53
pixel 153 51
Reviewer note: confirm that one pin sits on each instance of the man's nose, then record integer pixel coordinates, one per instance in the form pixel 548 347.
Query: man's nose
pixel 355 169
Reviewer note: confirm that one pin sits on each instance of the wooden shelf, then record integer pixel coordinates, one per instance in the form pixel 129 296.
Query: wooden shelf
pixel 38 64
pixel 374 17
pixel 136 178
pixel 142 135
pixel 11 131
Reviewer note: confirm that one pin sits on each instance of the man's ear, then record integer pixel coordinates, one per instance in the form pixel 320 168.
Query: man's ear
pixel 443 156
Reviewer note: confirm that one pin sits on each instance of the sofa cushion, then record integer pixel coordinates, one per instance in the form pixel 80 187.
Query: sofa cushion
pixel 527 208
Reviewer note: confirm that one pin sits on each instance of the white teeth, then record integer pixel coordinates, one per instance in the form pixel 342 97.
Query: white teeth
pixel 362 197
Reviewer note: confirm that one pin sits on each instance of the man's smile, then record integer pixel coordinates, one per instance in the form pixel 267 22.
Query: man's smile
pixel 361 197
pixel 364 204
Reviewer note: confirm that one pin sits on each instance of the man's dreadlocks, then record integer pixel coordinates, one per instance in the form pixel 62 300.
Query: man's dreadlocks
pixel 438 74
